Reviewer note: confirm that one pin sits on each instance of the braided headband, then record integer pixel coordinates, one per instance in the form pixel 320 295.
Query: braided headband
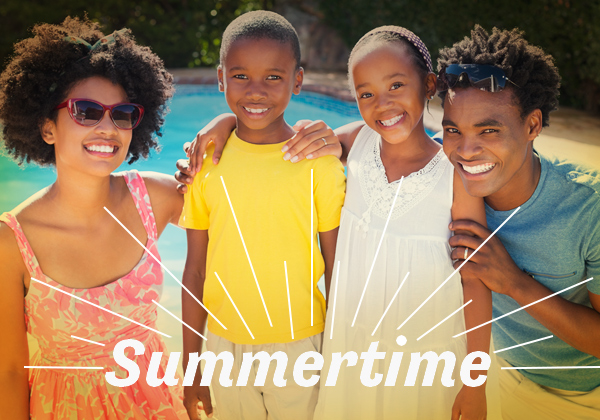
pixel 409 36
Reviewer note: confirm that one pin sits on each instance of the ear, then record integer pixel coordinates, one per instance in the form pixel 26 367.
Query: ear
pixel 220 78
pixel 47 130
pixel 533 124
pixel 298 81
pixel 430 85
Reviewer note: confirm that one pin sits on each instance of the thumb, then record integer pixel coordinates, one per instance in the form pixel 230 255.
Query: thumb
pixel 301 124
pixel 207 406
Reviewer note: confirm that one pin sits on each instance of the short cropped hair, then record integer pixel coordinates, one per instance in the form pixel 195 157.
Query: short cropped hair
pixel 527 66
pixel 261 24
pixel 47 66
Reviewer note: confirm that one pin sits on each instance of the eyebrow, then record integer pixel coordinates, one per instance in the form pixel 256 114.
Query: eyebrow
pixel 490 122
pixel 391 76
pixel 240 68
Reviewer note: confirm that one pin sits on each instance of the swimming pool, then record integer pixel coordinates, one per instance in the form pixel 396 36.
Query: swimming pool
pixel 192 107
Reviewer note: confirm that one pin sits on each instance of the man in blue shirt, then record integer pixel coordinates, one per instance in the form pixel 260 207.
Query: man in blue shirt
pixel 497 93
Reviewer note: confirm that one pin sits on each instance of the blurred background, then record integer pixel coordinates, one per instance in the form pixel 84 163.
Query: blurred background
pixel 186 33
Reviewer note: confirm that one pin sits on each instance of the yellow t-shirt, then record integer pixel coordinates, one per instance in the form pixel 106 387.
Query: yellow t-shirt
pixel 271 199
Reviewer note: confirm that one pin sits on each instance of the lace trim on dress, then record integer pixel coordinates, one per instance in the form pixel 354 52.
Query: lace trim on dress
pixel 379 193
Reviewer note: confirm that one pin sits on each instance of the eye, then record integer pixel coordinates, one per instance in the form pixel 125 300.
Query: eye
pixel 451 130
pixel 365 95
pixel 240 76
pixel 490 131
pixel 396 85
pixel 273 77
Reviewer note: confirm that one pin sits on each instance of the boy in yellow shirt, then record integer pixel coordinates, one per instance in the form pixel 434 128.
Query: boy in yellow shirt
pixel 252 224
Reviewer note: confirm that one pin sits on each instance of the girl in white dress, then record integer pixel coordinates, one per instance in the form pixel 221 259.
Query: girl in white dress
pixel 391 74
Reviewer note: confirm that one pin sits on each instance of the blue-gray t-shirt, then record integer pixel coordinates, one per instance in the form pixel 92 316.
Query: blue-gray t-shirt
pixel 555 237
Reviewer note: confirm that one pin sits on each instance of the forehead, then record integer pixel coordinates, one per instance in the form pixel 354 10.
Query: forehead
pixel 259 53
pixel 471 106
pixel 383 57
pixel 99 89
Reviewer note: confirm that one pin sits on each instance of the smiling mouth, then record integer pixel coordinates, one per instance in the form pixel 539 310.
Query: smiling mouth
pixel 391 121
pixel 101 148
pixel 256 110
pixel 478 169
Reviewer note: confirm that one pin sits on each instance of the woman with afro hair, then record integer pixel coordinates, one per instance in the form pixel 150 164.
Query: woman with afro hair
pixel 83 102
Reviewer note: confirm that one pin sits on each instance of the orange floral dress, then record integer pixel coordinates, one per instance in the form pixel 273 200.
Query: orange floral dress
pixel 53 318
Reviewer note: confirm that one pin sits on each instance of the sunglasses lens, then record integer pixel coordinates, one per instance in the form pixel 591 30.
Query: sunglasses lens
pixel 126 116
pixel 87 113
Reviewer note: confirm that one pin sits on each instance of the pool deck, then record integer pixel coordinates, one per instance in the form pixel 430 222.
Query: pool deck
pixel 572 134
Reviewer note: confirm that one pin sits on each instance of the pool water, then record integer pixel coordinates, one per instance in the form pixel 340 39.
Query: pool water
pixel 192 107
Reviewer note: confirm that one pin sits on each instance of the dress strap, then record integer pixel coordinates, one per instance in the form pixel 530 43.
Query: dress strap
pixel 29 258
pixel 141 198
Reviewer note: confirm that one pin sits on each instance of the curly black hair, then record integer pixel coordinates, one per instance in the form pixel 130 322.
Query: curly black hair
pixel 261 24
pixel 527 66
pixel 45 67
pixel 387 34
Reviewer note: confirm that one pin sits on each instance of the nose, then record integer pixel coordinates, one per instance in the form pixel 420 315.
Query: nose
pixel 106 124
pixel 384 102
pixel 469 147
pixel 256 91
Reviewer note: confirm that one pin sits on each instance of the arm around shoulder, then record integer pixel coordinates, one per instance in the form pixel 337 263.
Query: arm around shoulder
pixel 14 352
pixel 166 201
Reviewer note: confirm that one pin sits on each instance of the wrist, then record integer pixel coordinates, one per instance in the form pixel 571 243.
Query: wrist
pixel 521 286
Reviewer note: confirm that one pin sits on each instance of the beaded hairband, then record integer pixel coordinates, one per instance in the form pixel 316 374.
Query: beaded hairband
pixel 409 36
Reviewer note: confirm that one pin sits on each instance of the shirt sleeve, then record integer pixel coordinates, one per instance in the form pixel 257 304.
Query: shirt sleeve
pixel 592 258
pixel 195 214
pixel 329 192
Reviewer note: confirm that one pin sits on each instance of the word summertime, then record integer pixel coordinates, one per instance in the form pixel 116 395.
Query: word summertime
pixel 308 361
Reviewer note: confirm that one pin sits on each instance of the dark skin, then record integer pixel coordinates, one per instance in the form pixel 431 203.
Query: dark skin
pixel 482 128
pixel 258 78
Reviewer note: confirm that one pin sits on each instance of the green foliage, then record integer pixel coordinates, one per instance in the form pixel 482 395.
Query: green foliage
pixel 184 33
pixel 569 30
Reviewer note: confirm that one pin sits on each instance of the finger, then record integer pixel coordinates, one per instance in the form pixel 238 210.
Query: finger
pixel 184 167
pixel 472 242
pixel 470 226
pixel 301 124
pixel 217 153
pixel 310 143
pixel 207 405
pixel 329 150
pixel 192 409
pixel 182 188
pixel 186 147
pixel 315 129
pixel 462 253
pixel 183 178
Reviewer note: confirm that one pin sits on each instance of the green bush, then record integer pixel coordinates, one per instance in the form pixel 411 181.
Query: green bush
pixel 184 33
pixel 567 29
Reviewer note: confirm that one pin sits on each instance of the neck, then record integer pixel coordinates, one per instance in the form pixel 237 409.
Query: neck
pixel 81 198
pixel 520 187
pixel 276 132
pixel 416 146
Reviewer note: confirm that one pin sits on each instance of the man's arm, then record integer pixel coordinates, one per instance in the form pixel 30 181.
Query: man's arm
pixel 195 316
pixel 576 325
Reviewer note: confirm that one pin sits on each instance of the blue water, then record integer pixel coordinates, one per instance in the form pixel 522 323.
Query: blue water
pixel 192 107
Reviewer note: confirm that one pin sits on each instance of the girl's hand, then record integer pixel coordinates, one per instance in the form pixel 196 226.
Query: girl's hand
pixel 470 404
pixel 313 139
pixel 194 394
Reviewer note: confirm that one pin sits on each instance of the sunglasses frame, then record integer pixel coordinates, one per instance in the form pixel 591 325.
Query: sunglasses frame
pixel 494 74
pixel 69 105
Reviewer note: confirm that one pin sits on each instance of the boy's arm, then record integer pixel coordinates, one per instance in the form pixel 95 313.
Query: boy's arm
pixel 470 403
pixel 194 275
pixel 328 240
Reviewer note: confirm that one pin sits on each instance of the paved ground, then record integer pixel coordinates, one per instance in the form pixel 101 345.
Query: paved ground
pixel 572 134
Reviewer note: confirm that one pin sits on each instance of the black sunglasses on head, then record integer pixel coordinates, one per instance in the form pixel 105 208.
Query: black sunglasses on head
pixel 480 76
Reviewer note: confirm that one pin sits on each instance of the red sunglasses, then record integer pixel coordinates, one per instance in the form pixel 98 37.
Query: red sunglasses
pixel 88 113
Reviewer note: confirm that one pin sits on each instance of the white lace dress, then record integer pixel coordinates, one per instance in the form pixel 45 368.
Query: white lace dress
pixel 415 241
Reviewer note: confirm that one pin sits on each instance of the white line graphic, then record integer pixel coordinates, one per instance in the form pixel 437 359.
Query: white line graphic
pixel 377 252
pixel 524 344
pixel 174 316
pixel 164 268
pixel 444 320
pixel 100 307
pixel 456 271
pixel 247 255
pixel 526 306
pixel 236 308
pixel 287 286
pixel 337 279
pixel 63 367
pixel 89 341
pixel 312 245
pixel 390 304
pixel 551 367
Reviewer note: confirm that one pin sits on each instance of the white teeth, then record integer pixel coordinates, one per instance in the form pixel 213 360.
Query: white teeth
pixel 479 168
pixel 100 149
pixel 256 110
pixel 391 121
